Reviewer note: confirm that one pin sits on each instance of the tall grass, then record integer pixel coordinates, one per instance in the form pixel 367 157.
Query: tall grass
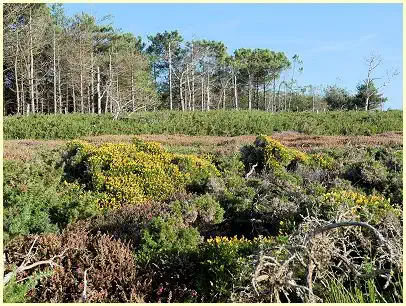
pixel 220 123
pixel 366 292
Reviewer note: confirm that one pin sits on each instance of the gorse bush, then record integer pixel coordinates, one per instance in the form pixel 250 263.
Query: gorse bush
pixel 134 173
pixel 372 209
pixel 216 122
pixel 36 201
pixel 225 262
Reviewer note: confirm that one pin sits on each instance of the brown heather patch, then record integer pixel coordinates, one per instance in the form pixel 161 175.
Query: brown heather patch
pixel 25 149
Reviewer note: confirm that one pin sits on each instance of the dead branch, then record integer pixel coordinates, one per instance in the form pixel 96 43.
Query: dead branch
pixel 24 267
pixel 251 171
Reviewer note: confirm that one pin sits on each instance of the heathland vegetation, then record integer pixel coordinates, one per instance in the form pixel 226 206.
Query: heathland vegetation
pixel 135 222
pixel 219 220
pixel 222 123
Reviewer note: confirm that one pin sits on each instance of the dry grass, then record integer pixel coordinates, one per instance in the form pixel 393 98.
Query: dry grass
pixel 25 149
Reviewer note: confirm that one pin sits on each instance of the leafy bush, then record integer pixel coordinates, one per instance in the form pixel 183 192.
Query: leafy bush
pixel 16 292
pixel 167 237
pixel 167 259
pixel 35 200
pixel 203 209
pixel 224 266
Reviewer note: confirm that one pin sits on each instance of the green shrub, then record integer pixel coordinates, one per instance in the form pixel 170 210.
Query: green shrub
pixel 203 209
pixel 167 259
pixel 16 292
pixel 165 238
pixel 216 122
pixel 35 200
pixel 225 266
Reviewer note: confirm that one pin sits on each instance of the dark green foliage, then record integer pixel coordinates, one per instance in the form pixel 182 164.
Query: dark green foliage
pixel 167 257
pixel 222 123
pixel 203 209
pixel 338 98
pixel 36 200
pixel 166 237
pixel 376 99
pixel 15 292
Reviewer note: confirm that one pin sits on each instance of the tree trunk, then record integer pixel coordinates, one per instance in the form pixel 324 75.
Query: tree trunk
pixel 193 81
pixel 98 91
pixel 202 107
pixel 36 97
pixel 16 76
pixel 208 91
pixel 92 81
pixel 22 95
pixel 235 92
pixel 182 102
pixel 189 89
pixel 74 96
pixel 89 107
pixel 67 99
pixel 110 82
pixel 59 84
pixel 82 102
pixel 224 98
pixel 31 66
pixel 132 91
pixel 54 47
pixel 170 78
pixel 249 92
pixel 274 92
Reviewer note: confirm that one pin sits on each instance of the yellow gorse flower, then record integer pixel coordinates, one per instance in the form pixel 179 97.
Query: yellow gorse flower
pixel 138 172
pixel 219 240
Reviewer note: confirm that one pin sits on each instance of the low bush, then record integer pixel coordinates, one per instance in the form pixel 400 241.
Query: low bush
pixel 36 201
pixel 167 258
pixel 225 266
pixel 108 264
pixel 216 122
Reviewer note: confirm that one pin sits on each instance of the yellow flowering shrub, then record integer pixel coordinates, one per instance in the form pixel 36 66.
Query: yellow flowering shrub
pixel 370 208
pixel 277 156
pixel 135 173
pixel 224 240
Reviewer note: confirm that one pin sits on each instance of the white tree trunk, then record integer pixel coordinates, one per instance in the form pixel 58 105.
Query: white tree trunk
pixel 235 92
pixel 170 78
pixel 98 91
pixel 31 66
pixel 54 47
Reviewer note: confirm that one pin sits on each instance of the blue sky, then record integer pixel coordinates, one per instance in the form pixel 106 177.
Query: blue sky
pixel 332 39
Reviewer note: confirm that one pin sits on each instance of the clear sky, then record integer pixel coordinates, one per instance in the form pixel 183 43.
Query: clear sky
pixel 332 39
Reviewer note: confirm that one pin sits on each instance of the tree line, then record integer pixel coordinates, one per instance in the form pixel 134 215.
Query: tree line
pixel 59 64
